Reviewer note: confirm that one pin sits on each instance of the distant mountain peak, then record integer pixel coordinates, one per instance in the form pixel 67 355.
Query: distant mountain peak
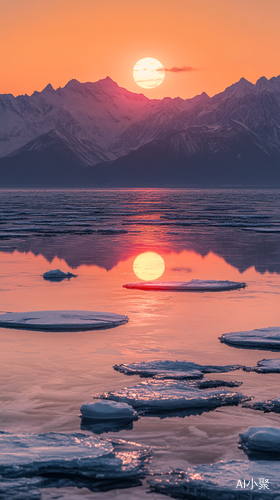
pixel 240 88
pixel 48 88
pixel 272 85
pixel 73 85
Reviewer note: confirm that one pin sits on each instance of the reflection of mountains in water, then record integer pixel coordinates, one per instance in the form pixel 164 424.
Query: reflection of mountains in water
pixel 103 228
pixel 240 249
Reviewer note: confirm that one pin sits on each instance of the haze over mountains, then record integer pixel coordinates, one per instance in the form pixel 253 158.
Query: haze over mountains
pixel 99 134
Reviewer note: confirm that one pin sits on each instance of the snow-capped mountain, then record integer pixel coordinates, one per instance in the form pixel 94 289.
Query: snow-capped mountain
pixel 95 115
pixel 99 133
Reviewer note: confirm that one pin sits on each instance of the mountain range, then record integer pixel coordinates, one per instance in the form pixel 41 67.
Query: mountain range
pixel 100 134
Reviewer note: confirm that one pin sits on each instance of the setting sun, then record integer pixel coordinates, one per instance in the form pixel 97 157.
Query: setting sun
pixel 148 73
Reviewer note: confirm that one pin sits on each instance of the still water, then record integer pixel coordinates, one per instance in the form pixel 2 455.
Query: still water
pixel 205 234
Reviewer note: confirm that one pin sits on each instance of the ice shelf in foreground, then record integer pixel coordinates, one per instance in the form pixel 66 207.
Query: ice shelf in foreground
pixel 107 410
pixel 261 440
pixel 232 480
pixel 266 338
pixel 162 396
pixel 61 320
pixel 265 366
pixel 78 459
pixel 187 286
pixel 57 275
pixel 172 369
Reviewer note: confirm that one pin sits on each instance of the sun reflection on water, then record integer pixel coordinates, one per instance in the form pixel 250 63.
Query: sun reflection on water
pixel 148 266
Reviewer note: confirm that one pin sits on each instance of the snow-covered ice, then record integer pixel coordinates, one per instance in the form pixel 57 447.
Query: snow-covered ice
pixel 272 405
pixel 223 481
pixel 172 369
pixel 61 320
pixel 107 410
pixel 266 338
pixel 187 286
pixel 60 458
pixel 158 396
pixel 265 366
pixel 264 440
pixel 57 275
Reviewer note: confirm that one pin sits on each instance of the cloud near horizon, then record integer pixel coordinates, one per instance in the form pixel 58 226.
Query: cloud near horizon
pixel 175 69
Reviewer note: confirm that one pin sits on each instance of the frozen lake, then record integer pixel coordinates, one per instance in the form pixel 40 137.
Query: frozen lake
pixel 200 234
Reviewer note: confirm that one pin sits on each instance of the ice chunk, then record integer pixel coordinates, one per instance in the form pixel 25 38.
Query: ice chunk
pixel 272 405
pixel 187 286
pixel 261 440
pixel 232 480
pixel 57 275
pixel 107 410
pixel 265 366
pixel 210 384
pixel 162 396
pixel 63 458
pixel 61 320
pixel 262 338
pixel 172 369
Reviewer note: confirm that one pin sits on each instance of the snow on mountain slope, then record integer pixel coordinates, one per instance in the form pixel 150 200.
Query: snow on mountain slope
pixel 85 124
pixel 93 113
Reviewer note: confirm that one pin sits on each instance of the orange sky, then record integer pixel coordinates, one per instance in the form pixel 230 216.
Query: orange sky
pixel 53 41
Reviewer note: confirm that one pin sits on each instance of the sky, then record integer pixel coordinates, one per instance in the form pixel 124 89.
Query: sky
pixel 219 41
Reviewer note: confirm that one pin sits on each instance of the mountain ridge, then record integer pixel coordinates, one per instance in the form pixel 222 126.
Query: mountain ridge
pixel 85 131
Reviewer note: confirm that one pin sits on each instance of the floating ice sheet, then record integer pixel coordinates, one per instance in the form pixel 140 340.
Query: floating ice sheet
pixel 233 480
pixel 187 286
pixel 107 410
pixel 272 405
pixel 61 320
pixel 158 396
pixel 262 338
pixel 265 366
pixel 172 369
pixel 263 441
pixel 67 460
pixel 57 275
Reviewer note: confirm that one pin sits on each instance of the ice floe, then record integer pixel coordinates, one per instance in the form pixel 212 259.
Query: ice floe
pixel 56 459
pixel 272 405
pixel 107 410
pixel 57 275
pixel 265 366
pixel 261 441
pixel 156 396
pixel 194 285
pixel 61 320
pixel 232 480
pixel 262 338
pixel 172 369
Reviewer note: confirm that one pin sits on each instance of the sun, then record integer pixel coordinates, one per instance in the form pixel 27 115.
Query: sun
pixel 148 73
pixel 148 266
